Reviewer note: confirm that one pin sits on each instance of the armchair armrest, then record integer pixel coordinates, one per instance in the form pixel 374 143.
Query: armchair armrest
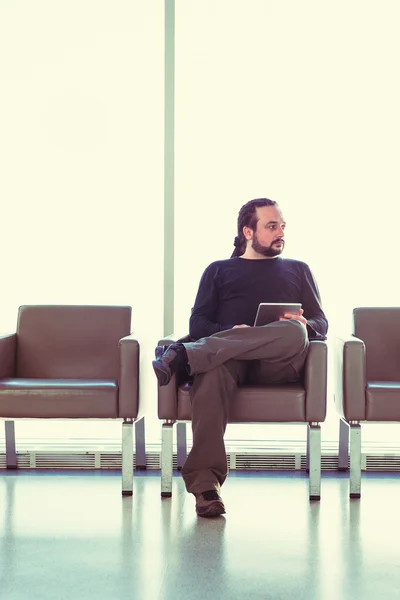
pixel 315 381
pixel 168 400
pixel 8 346
pixel 168 394
pixel 170 339
pixel 128 383
pixel 350 378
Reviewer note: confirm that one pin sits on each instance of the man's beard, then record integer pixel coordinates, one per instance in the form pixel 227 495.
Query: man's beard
pixel 269 251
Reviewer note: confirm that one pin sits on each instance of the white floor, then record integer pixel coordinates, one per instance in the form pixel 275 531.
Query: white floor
pixel 72 536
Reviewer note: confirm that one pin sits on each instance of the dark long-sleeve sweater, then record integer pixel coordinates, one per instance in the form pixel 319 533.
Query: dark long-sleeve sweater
pixel 231 290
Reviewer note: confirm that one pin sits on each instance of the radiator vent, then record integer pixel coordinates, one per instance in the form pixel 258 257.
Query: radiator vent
pixel 382 463
pixel 153 461
pixel 64 461
pixel 328 462
pixel 108 460
pixel 23 460
pixel 236 460
pixel 265 462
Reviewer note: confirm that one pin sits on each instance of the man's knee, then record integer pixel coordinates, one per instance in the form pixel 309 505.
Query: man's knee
pixel 296 336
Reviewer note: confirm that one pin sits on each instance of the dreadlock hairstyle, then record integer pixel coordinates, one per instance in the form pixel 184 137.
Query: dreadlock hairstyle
pixel 248 218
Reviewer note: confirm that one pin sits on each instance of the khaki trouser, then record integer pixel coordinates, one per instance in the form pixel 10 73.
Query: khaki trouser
pixel 271 354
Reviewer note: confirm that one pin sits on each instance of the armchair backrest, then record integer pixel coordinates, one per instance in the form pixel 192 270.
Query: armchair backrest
pixel 72 342
pixel 379 329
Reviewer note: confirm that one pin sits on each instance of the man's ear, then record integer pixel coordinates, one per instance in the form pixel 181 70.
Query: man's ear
pixel 248 233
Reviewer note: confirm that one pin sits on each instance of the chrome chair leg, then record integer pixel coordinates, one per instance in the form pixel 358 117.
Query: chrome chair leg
pixel 181 444
pixel 355 459
pixel 314 431
pixel 11 454
pixel 127 457
pixel 140 444
pixel 343 458
pixel 166 458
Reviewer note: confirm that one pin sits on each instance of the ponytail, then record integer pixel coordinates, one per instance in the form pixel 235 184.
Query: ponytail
pixel 240 246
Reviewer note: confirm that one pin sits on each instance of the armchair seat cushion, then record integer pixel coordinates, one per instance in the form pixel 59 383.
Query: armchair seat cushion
pixel 58 398
pixel 254 404
pixel 383 401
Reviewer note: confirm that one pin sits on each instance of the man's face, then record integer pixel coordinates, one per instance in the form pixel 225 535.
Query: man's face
pixel 268 238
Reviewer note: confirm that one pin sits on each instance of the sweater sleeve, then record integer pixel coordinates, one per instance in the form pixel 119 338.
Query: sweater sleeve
pixel 317 323
pixel 202 322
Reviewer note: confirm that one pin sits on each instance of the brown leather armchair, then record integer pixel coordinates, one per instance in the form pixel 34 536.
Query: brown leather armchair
pixel 367 380
pixel 73 362
pixel 294 403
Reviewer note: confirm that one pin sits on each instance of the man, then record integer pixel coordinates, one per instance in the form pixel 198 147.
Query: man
pixel 227 350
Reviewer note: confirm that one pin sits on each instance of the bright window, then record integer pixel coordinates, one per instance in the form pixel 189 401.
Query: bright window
pixel 296 101
pixel 81 151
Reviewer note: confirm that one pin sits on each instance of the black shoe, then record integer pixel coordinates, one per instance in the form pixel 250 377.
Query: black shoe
pixel 173 360
pixel 209 504
pixel 159 351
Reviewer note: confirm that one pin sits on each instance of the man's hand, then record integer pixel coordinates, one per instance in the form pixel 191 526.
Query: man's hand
pixel 236 326
pixel 299 317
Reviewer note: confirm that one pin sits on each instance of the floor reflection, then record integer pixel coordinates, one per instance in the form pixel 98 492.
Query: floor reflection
pixel 74 536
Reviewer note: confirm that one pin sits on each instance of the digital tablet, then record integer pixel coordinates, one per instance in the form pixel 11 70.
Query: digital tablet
pixel 271 311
